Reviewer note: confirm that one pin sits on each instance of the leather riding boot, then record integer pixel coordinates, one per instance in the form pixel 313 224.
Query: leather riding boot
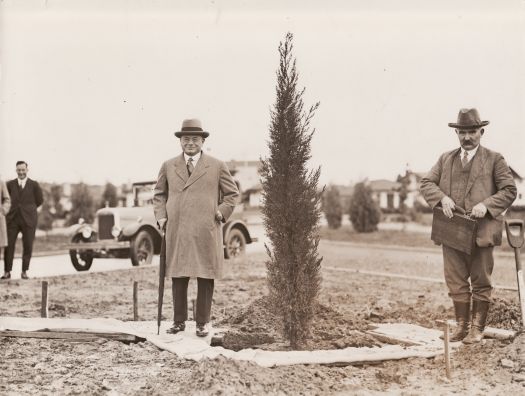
pixel 480 310
pixel 462 310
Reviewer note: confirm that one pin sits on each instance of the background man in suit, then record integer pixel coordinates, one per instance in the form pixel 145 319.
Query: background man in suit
pixel 478 180
pixel 194 194
pixel 26 197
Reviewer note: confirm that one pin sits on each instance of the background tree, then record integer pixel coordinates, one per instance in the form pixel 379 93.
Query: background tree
pixel 364 211
pixel 291 206
pixel 82 204
pixel 403 191
pixel 56 196
pixel 332 208
pixel 109 196
pixel 45 216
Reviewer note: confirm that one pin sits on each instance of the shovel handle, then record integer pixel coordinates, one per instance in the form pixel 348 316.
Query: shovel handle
pixel 515 240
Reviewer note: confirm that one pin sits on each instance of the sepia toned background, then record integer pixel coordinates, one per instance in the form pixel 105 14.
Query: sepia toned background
pixel 92 90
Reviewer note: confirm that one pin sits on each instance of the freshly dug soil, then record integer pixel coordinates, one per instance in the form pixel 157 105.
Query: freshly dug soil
pixel 348 303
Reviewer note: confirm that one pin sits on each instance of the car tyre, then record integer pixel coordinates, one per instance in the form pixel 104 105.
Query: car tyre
pixel 81 259
pixel 142 248
pixel 235 244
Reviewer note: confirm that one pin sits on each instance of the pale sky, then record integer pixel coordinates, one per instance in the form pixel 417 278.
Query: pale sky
pixel 93 92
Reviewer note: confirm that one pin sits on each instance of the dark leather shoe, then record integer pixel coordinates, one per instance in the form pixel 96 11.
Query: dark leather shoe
pixel 203 329
pixel 24 275
pixel 7 275
pixel 176 328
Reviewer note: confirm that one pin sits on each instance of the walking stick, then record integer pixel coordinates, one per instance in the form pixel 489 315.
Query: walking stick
pixel 162 273
pixel 516 241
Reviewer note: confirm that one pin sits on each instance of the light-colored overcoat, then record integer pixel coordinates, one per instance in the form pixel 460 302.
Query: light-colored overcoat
pixel 5 204
pixel 194 242
pixel 490 181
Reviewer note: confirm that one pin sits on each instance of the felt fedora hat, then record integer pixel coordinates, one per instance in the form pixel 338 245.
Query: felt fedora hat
pixel 468 119
pixel 192 126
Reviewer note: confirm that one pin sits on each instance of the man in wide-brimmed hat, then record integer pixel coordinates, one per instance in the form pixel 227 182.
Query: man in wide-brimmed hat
pixel 479 181
pixel 194 194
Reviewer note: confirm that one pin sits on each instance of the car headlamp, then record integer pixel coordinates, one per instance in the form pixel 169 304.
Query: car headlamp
pixel 86 232
pixel 115 231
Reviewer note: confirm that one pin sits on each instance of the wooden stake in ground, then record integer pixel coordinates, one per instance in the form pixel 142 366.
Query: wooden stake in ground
pixel 44 307
pixel 447 348
pixel 135 301
pixel 446 338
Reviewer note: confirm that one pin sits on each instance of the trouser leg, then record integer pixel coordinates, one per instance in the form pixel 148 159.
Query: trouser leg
pixel 179 288
pixel 457 267
pixel 204 299
pixel 9 253
pixel 481 273
pixel 28 236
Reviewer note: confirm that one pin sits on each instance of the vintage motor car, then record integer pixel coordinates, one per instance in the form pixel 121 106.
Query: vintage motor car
pixel 131 232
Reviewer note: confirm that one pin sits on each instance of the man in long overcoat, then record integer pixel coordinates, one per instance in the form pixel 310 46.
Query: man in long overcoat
pixel 26 197
pixel 479 181
pixel 5 204
pixel 194 194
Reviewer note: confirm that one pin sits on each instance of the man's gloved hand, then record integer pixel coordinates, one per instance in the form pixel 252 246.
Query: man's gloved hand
pixel 162 224
pixel 479 210
pixel 448 206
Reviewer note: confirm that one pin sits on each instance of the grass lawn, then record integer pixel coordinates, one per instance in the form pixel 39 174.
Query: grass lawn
pixel 383 237
pixel 49 243
pixel 388 237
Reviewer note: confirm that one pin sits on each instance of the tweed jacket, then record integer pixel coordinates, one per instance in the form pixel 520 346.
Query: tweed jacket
pixel 194 242
pixel 490 181
pixel 5 204
pixel 24 202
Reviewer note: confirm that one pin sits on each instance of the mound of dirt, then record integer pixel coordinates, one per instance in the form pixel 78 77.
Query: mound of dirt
pixel 255 326
pixel 504 314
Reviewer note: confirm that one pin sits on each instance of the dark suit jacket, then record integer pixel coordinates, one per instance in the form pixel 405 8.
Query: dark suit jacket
pixel 24 202
pixel 490 181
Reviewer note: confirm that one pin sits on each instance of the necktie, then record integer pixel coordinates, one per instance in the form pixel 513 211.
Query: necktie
pixel 464 160
pixel 190 166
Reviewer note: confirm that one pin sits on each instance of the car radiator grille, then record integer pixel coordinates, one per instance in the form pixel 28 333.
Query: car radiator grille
pixel 105 224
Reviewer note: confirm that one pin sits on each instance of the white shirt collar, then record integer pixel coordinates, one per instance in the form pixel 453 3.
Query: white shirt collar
pixel 470 153
pixel 195 158
pixel 22 182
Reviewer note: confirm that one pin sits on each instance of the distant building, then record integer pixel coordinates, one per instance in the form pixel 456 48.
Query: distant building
pixel 246 173
pixel 413 182
pixel 385 193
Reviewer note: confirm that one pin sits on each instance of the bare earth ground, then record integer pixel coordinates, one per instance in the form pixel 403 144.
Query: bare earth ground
pixel 348 303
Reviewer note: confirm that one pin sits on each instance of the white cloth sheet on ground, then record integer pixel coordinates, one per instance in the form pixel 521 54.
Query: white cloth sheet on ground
pixel 187 345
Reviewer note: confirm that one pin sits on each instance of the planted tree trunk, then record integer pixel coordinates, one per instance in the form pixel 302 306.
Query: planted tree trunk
pixel 291 206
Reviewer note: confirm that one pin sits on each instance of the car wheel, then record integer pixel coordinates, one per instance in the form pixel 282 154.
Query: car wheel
pixel 81 259
pixel 142 248
pixel 235 244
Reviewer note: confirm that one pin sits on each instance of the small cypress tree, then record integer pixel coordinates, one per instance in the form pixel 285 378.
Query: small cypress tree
pixel 291 206
pixel 332 208
pixel 364 211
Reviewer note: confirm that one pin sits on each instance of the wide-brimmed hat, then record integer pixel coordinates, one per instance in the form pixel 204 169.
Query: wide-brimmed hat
pixel 192 126
pixel 468 119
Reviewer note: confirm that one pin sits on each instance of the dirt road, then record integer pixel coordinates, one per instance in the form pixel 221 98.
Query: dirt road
pixel 349 302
